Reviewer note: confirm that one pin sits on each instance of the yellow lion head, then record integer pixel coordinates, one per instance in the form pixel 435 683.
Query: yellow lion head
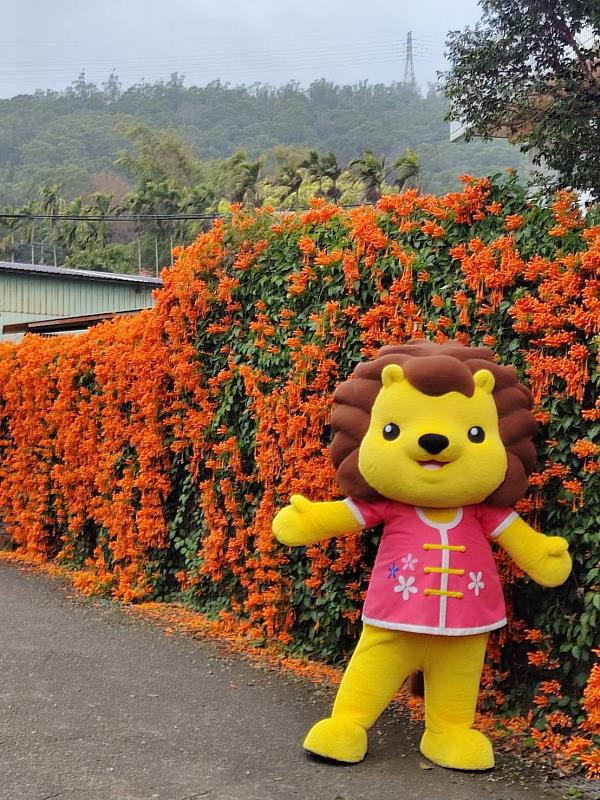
pixel 434 426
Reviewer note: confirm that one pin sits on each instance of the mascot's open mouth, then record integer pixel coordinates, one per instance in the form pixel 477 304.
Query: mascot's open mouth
pixel 432 464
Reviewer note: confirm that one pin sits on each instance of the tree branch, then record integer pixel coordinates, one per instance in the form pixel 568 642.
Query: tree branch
pixel 558 19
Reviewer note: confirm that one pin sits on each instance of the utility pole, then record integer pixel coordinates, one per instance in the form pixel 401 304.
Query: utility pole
pixel 409 64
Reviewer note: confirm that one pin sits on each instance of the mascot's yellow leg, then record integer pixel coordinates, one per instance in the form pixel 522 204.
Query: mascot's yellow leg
pixel 452 670
pixel 381 662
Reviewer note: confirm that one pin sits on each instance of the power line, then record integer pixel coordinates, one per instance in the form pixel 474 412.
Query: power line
pixel 140 217
pixel 220 69
pixel 251 72
pixel 195 42
pixel 216 72
pixel 239 56
pixel 300 56
pixel 109 218
pixel 249 66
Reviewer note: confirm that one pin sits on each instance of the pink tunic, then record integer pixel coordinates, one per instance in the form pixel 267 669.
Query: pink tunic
pixel 431 577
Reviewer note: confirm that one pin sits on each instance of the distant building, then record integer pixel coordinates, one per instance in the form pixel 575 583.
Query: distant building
pixel 53 299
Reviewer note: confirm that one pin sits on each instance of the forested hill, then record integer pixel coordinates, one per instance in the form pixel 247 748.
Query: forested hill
pixel 66 138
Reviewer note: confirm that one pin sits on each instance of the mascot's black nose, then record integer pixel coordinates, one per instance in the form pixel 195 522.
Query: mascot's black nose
pixel 433 443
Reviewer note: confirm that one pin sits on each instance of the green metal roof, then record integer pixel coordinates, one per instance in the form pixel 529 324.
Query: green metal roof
pixel 76 274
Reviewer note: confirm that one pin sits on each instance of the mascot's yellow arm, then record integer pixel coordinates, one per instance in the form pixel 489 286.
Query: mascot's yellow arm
pixel 304 522
pixel 543 558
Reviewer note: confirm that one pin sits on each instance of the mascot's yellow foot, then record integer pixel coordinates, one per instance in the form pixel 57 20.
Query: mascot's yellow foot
pixel 339 739
pixel 458 749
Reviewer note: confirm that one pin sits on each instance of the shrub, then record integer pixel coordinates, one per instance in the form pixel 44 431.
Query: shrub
pixel 155 450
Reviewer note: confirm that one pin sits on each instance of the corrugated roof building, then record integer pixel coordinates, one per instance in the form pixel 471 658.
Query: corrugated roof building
pixel 30 293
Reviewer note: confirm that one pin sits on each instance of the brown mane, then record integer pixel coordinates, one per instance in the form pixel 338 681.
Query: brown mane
pixel 434 369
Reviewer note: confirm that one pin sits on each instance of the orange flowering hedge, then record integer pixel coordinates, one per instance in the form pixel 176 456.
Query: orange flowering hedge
pixel 151 453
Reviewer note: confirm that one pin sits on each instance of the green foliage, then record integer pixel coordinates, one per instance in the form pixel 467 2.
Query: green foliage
pixel 370 170
pixel 159 156
pixel 569 615
pixel 242 182
pixel 236 415
pixel 257 145
pixel 407 170
pixel 164 131
pixel 108 258
pixel 523 70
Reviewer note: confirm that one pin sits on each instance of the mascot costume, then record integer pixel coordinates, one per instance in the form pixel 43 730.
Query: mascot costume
pixel 434 443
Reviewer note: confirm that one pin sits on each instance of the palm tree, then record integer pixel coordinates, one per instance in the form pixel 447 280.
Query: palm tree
pixel 51 203
pixel 27 224
pixel 321 169
pixel 408 169
pixel 370 171
pixel 244 178
pixel 197 199
pixel 101 206
pixel 290 181
pixel 8 247
pixel 313 166
pixel 74 233
pixel 154 198
pixel 160 199
pixel 332 171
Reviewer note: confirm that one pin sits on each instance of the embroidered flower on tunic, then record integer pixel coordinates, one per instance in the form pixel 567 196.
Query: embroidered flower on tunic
pixel 408 562
pixel 477 583
pixel 393 570
pixel 405 585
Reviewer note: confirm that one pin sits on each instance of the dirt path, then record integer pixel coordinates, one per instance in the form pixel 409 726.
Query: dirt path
pixel 96 705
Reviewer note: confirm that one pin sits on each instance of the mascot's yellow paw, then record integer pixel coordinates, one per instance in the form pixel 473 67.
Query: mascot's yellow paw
pixel 339 739
pixel 458 749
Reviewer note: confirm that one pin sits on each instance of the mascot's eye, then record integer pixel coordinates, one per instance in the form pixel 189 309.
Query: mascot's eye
pixel 391 431
pixel 476 434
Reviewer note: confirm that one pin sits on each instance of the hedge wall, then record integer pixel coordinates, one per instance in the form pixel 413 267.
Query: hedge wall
pixel 151 453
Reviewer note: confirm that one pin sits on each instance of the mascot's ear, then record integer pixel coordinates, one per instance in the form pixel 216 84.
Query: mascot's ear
pixel 393 373
pixel 483 379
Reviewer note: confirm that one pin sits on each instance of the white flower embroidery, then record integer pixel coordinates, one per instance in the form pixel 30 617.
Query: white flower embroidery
pixel 408 562
pixel 477 583
pixel 405 585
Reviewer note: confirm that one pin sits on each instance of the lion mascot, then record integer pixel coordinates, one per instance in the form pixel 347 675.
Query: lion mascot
pixel 434 443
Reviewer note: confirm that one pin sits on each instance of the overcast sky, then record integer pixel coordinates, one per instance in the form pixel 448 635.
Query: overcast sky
pixel 46 45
